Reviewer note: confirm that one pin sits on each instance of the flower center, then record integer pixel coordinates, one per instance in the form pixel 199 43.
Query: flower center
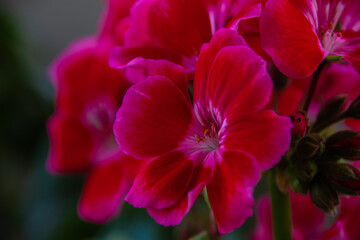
pixel 209 136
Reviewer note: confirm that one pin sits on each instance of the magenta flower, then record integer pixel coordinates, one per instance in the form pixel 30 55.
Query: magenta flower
pixel 222 141
pixel 88 94
pixel 298 35
pixel 175 30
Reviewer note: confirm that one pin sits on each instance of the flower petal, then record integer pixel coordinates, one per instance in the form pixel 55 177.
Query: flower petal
pixel 113 18
pixel 153 118
pixel 265 135
pixel 289 38
pixel 221 39
pixel 162 182
pixel 70 145
pixel 180 25
pixel 105 187
pixel 238 81
pixel 139 69
pixel 350 18
pixel 230 192
pixel 121 56
pixel 174 214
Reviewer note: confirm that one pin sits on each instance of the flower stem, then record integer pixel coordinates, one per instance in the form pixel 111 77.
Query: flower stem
pixel 313 84
pixel 280 210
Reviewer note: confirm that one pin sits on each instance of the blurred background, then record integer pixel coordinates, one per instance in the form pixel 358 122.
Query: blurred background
pixel 33 203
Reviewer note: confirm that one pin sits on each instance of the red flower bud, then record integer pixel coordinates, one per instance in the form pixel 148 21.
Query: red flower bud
pixel 345 144
pixel 300 124
pixel 347 177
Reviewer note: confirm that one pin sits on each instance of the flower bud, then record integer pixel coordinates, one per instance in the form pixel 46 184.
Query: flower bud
pixel 308 147
pixel 331 108
pixel 345 144
pixel 304 170
pixel 354 108
pixel 323 196
pixel 300 124
pixel 345 177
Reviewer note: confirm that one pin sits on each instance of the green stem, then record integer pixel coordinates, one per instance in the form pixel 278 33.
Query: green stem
pixel 280 210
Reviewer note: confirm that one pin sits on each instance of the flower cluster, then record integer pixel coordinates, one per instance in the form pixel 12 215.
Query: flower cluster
pixel 172 98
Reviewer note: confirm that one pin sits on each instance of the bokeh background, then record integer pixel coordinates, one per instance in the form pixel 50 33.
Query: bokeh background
pixel 34 204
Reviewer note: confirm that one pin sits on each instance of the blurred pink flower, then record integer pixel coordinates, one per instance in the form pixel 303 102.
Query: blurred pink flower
pixel 88 94
pixel 310 223
pixel 299 34
pixel 222 142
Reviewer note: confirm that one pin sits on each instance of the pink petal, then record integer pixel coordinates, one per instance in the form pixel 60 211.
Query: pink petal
pixel 153 119
pixel 238 81
pixel 349 216
pixel 81 75
pixel 173 215
pixel 337 79
pixel 70 145
pixel 265 135
pixel 139 69
pixel 179 25
pixel 230 192
pixel 353 123
pixel 290 39
pixel 308 225
pixel 245 12
pixel 121 56
pixel 162 182
pixel 290 98
pixel 105 187
pixel 221 39
pixel 354 58
pixel 350 18
pixel 263 228
pixel 113 17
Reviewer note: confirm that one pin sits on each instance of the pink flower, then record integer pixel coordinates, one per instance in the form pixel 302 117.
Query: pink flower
pixel 299 34
pixel 222 141
pixel 88 94
pixel 175 30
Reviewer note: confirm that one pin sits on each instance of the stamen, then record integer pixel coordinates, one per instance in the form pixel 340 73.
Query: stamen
pixel 198 138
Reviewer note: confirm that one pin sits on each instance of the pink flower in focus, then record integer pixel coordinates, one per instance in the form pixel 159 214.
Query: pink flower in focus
pixel 299 34
pixel 88 94
pixel 175 30
pixel 222 141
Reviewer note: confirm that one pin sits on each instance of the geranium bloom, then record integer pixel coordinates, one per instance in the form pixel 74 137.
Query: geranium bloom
pixel 175 30
pixel 222 141
pixel 299 34
pixel 88 94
